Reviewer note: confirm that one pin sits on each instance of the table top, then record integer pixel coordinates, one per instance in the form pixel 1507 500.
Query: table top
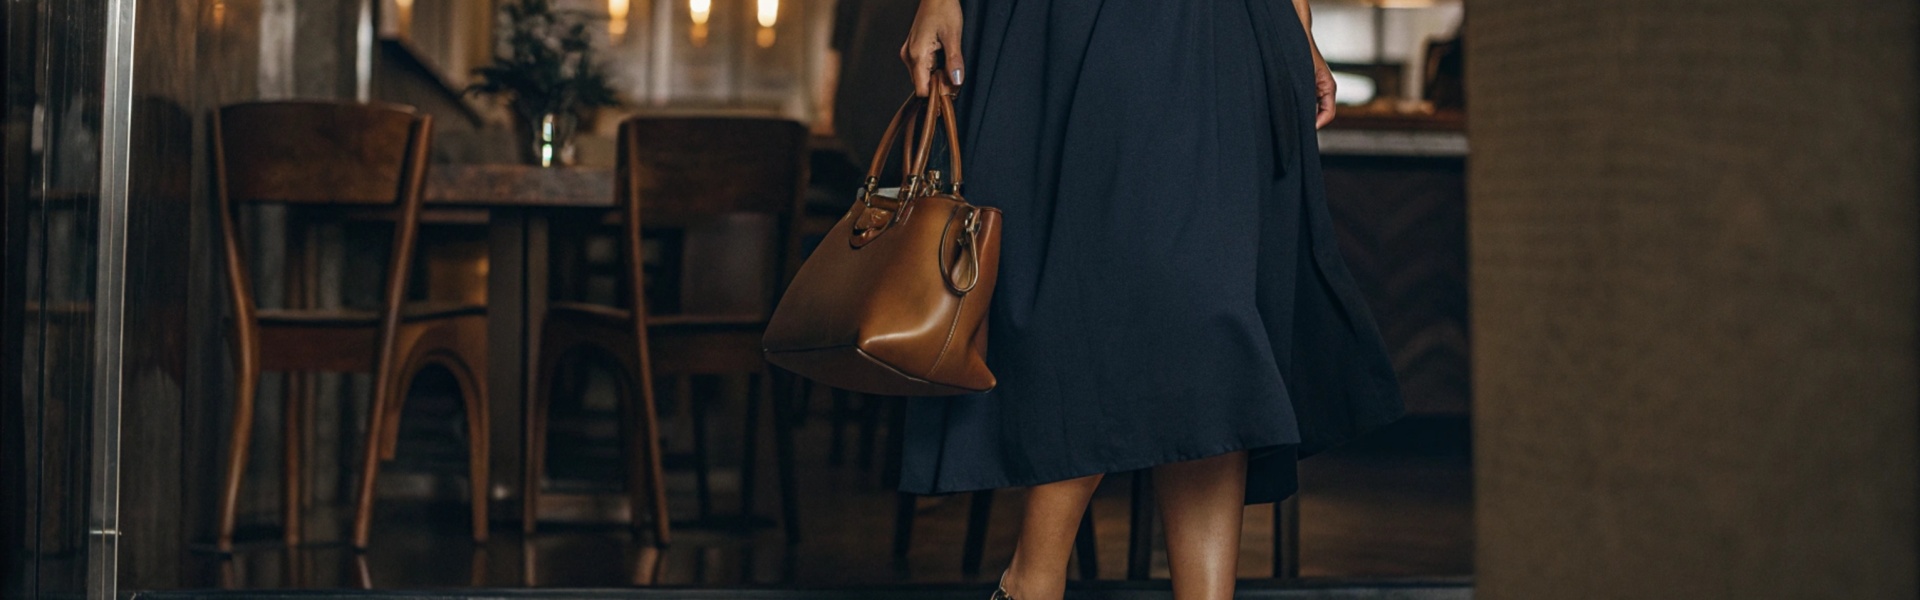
pixel 497 186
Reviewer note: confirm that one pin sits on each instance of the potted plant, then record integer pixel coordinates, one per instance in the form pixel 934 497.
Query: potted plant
pixel 543 65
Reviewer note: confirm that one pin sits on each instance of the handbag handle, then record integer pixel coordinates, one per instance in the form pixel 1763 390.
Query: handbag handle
pixel 939 107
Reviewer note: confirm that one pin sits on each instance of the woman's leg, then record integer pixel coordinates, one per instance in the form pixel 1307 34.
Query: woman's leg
pixel 1039 569
pixel 1203 502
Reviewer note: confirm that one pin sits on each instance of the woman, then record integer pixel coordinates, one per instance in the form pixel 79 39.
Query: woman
pixel 1170 293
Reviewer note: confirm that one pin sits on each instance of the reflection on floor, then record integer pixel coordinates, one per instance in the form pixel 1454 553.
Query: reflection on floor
pixel 1397 504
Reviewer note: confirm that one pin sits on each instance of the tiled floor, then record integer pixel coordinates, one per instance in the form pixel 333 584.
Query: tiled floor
pixel 1397 504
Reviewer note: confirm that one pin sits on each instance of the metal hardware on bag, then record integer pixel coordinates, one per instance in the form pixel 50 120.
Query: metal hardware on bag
pixel 969 251
pixel 911 188
pixel 867 226
pixel 866 193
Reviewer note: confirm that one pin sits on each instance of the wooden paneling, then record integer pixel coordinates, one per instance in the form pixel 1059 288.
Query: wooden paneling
pixel 1402 225
pixel 1694 248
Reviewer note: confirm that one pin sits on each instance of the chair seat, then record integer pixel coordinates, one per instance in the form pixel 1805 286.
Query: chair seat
pixel 409 313
pixel 611 315
pixel 684 344
pixel 345 340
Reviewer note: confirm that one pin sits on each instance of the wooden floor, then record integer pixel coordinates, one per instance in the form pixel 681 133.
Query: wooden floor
pixel 1453 589
pixel 1392 509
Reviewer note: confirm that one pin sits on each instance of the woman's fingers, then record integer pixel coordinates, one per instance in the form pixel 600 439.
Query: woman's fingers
pixel 953 67
pixel 921 67
pixel 917 52
pixel 1323 114
pixel 936 30
pixel 1324 88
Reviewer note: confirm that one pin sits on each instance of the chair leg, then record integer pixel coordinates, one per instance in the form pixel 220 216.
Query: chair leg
pixel 896 435
pixel 1140 530
pixel 1088 546
pixel 237 445
pixel 1286 538
pixel 757 385
pixel 534 444
pixel 786 417
pixel 646 469
pixel 390 438
pixel 477 572
pixel 979 514
pixel 870 408
pixel 702 467
pixel 479 443
pixel 378 416
pixel 363 573
pixel 837 447
pixel 292 420
pixel 903 507
pixel 657 477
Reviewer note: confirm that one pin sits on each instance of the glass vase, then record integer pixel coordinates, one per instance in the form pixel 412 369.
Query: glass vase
pixel 546 139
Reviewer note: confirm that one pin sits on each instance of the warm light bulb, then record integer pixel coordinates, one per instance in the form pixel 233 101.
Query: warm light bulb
pixel 701 10
pixel 769 12
pixel 617 17
pixel 405 14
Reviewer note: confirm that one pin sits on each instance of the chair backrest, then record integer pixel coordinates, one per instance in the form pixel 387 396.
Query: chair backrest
pixel 686 172
pixel 337 155
pixel 318 152
pixel 689 168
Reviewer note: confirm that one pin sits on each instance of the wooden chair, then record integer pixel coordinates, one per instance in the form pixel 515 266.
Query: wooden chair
pixel 337 160
pixel 979 509
pixel 677 173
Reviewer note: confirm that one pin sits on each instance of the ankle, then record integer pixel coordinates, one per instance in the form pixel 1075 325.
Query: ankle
pixel 1027 585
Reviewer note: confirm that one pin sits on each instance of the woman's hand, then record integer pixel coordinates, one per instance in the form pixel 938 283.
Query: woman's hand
pixel 1323 88
pixel 1323 84
pixel 936 29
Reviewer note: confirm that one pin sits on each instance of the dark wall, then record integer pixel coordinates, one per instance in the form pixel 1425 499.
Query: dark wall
pixel 1696 294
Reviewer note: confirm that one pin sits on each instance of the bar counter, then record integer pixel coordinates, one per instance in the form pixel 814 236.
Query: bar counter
pixel 1396 185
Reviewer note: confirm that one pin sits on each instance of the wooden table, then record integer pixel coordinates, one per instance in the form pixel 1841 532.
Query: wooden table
pixel 518 200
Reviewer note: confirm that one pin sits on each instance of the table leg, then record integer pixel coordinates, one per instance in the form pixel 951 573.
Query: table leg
pixel 533 314
pixel 506 337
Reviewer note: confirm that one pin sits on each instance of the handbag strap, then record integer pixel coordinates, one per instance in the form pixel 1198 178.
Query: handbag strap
pixel 886 139
pixel 938 108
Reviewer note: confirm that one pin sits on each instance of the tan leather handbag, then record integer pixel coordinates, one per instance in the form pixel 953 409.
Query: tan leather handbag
pixel 894 301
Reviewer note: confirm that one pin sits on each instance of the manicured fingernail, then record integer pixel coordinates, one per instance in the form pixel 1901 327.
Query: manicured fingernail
pixel 956 77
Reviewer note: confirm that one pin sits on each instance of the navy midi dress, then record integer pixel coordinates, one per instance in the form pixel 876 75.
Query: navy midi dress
pixel 1170 285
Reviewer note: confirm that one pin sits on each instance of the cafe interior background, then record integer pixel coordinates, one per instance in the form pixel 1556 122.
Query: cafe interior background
pixel 120 402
